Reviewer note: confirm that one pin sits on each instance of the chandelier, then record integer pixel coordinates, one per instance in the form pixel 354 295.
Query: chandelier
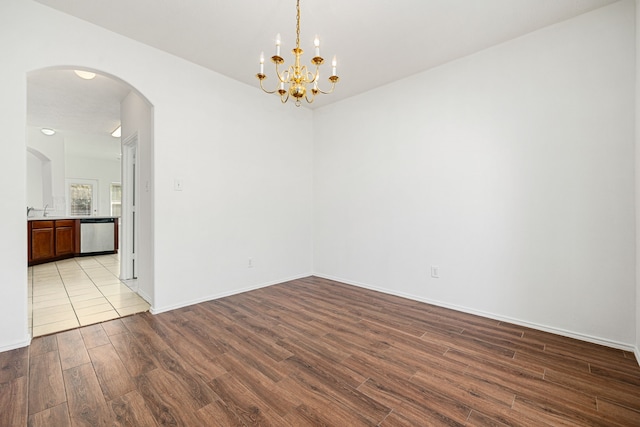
pixel 297 81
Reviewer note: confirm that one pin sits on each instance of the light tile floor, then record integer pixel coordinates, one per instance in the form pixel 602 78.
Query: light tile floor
pixel 78 292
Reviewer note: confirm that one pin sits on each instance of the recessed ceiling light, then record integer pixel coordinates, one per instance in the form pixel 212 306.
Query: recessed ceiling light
pixel 48 131
pixel 87 75
pixel 117 133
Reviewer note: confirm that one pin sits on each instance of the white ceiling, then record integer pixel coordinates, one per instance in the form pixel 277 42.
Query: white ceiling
pixel 61 100
pixel 375 41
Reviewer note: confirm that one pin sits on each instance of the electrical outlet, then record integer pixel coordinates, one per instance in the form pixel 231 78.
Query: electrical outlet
pixel 435 271
pixel 250 263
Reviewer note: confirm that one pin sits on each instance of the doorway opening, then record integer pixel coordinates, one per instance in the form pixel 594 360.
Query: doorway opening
pixel 86 165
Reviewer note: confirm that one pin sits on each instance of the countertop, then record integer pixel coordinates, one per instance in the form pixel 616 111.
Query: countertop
pixel 52 218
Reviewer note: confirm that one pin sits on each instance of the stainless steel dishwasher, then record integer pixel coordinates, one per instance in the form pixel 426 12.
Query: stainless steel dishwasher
pixel 97 235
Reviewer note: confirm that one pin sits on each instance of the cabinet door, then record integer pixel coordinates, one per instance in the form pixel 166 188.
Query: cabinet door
pixel 64 241
pixel 42 244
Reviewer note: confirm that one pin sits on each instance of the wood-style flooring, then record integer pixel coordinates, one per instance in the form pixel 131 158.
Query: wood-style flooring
pixel 313 352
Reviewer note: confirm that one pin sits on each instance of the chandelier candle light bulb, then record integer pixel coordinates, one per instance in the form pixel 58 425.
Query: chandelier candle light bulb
pixel 296 79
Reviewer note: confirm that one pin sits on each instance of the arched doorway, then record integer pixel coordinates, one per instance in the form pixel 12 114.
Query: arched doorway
pixel 84 110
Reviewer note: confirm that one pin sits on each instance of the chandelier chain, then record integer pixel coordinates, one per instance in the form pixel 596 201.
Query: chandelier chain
pixel 298 24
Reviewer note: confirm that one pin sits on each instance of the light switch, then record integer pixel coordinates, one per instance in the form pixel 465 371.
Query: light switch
pixel 177 185
pixel 435 271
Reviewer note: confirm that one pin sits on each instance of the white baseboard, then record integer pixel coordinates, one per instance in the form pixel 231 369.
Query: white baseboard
pixel 17 344
pixel 156 310
pixel 540 327
pixel 637 353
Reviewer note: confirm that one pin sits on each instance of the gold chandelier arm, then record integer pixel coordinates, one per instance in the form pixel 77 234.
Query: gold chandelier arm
pixel 261 77
pixel 313 97
pixel 278 73
pixel 333 86
pixel 283 98
pixel 285 77
pixel 312 77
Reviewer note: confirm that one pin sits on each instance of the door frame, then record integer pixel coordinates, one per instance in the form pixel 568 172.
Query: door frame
pixel 129 219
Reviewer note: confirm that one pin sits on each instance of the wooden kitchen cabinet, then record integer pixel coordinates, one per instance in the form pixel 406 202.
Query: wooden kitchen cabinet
pixel 42 241
pixel 65 239
pixel 51 240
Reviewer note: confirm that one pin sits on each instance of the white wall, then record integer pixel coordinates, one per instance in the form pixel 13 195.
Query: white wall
pixel 511 170
pixel 247 177
pixel 247 189
pixel 93 157
pixel 637 158
pixel 53 189
pixel 35 166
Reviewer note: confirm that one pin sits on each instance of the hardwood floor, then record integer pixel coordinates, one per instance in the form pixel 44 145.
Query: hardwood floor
pixel 315 352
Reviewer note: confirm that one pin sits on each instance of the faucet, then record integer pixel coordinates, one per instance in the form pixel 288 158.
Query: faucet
pixel 29 211
pixel 45 210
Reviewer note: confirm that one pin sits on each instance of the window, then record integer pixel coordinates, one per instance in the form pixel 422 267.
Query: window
pixel 116 199
pixel 81 198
